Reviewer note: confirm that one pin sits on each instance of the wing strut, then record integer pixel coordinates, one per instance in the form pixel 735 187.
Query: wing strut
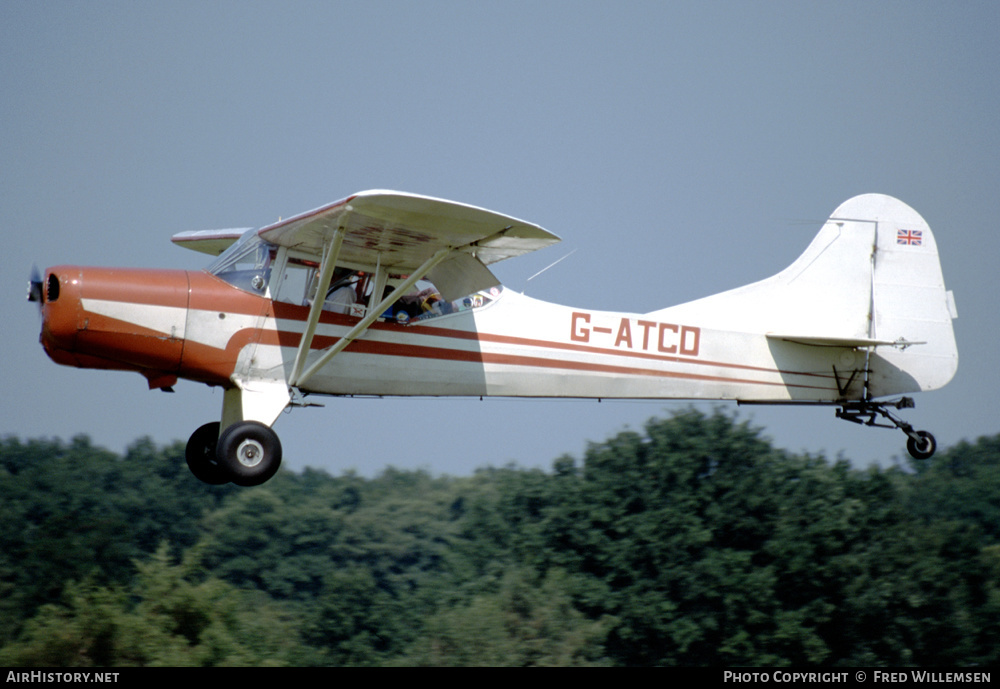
pixel 331 253
pixel 363 325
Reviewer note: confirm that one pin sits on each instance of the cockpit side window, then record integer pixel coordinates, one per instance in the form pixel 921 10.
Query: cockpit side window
pixel 350 292
pixel 424 302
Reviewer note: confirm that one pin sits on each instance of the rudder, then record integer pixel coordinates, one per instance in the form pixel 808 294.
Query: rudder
pixel 910 303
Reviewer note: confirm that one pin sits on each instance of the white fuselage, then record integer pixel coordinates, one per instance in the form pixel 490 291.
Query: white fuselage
pixel 522 347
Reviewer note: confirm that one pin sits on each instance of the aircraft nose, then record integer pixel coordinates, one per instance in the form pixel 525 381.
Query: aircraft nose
pixel 59 293
pixel 110 318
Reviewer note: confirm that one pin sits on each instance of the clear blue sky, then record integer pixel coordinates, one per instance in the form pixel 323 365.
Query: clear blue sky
pixel 681 148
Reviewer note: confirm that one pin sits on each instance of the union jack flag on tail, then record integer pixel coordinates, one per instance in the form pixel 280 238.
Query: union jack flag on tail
pixel 909 237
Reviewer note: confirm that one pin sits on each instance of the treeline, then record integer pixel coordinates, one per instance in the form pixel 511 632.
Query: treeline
pixel 693 543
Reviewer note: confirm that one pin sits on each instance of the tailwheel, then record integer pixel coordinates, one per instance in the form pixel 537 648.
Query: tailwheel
pixel 921 447
pixel 200 455
pixel 920 444
pixel 249 452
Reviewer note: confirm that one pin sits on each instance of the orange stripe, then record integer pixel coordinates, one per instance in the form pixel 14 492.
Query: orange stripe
pixel 375 348
pixel 322 342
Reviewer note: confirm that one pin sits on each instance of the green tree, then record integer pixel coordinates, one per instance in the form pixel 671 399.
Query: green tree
pixel 693 542
pixel 172 615
pixel 78 512
pixel 961 483
pixel 527 621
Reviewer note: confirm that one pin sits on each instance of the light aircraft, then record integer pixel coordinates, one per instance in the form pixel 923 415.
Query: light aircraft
pixel 387 293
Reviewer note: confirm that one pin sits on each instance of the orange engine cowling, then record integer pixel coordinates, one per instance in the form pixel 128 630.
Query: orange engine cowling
pixel 114 318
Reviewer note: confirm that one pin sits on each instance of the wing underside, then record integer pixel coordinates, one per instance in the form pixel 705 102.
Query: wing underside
pixel 400 232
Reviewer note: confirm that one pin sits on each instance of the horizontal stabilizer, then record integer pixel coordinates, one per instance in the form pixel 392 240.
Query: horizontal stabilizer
pixel 212 242
pixel 833 341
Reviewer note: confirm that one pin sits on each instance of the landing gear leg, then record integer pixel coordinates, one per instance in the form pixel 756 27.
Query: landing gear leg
pixel 920 444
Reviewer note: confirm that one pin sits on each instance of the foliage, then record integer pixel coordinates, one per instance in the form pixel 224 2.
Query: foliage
pixel 170 616
pixel 527 621
pixel 75 512
pixel 694 542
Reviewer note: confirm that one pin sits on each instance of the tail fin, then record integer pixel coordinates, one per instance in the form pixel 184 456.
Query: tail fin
pixel 870 278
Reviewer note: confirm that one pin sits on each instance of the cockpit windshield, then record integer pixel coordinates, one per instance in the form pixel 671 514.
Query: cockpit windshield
pixel 246 264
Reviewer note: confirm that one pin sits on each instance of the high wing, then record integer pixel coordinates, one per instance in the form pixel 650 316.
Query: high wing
pixel 401 232
pixel 406 235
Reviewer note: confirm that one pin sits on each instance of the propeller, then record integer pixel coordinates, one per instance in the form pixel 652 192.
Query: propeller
pixel 35 286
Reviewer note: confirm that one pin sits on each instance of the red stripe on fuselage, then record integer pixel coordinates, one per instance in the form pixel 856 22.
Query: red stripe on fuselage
pixel 298 313
pixel 440 353
pixel 403 350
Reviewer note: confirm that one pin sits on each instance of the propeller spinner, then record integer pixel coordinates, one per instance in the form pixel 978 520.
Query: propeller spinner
pixel 35 286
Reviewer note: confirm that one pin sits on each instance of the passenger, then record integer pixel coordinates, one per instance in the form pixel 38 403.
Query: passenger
pixel 430 301
pixel 341 300
pixel 341 295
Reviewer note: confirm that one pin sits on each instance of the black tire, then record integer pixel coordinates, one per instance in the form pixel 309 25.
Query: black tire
pixel 200 455
pixel 922 449
pixel 249 452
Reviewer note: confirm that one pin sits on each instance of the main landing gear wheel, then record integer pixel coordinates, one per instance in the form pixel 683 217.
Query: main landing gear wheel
pixel 201 452
pixel 249 452
pixel 923 447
